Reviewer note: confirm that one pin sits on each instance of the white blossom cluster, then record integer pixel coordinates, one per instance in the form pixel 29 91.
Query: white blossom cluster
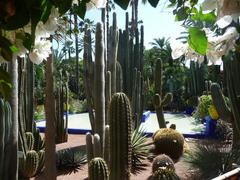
pixel 42 45
pixel 218 45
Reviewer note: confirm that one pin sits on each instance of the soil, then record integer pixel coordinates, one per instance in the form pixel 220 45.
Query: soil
pixel 183 169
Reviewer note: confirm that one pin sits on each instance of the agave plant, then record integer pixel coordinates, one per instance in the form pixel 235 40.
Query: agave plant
pixel 140 149
pixel 71 159
pixel 212 160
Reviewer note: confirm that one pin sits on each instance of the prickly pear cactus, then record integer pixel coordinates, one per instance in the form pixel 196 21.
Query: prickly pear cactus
pixel 120 136
pixel 98 169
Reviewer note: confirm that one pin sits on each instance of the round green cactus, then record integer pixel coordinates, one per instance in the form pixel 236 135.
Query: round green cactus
pixel 28 166
pixel 162 160
pixel 170 142
pixel 98 169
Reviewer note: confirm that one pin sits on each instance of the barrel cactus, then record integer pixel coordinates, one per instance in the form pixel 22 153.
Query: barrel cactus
pixel 98 169
pixel 162 160
pixel 29 165
pixel 170 142
pixel 165 174
pixel 120 117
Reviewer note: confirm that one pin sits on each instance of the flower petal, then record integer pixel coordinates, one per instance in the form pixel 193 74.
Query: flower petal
pixel 224 21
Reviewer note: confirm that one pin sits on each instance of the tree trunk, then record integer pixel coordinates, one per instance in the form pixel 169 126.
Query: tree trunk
pixel 50 134
pixel 13 168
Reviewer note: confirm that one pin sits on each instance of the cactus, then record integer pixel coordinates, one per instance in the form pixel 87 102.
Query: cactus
pixel 2 136
pixel 120 136
pixel 165 174
pixel 5 127
pixel 162 160
pixel 158 101
pixel 41 157
pixel 29 165
pixel 98 169
pixel 99 84
pixel 220 103
pixel 30 140
pixel 61 101
pixel 170 142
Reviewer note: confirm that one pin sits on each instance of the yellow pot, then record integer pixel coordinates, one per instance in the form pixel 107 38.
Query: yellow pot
pixel 213 112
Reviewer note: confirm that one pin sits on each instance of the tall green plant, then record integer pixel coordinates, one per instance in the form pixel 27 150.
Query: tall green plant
pixel 120 137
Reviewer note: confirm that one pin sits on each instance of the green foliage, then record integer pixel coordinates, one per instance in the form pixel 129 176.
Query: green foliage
pixel 71 159
pixel 39 113
pixel 77 106
pixel 5 83
pixel 162 161
pixel 202 109
pixel 140 149
pixel 197 40
pixel 170 142
pixel 212 160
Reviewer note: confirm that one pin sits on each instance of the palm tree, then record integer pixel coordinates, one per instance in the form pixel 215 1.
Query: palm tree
pixel 160 43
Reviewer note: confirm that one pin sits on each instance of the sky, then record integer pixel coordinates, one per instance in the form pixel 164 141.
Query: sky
pixel 158 22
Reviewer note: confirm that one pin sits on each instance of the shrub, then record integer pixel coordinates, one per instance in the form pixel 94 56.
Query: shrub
pixel 202 109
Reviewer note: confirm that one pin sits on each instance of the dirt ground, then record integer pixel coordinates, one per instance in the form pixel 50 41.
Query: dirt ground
pixel 182 168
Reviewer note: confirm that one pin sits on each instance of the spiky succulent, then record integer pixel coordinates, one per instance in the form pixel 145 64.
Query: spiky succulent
pixel 70 159
pixel 140 149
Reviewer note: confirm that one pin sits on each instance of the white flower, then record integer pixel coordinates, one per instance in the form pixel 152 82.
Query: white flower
pixel 209 5
pixel 224 21
pixel 41 51
pixel 41 31
pixel 51 24
pixel 178 49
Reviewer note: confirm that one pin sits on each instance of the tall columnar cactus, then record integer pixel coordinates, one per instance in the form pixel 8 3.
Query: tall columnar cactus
pixel 159 101
pixel 61 122
pixel 5 127
pixel 120 116
pixel 99 84
pixel 220 103
pixel 113 47
pixel 130 56
pixel 30 140
pixel 88 75
pixel 98 169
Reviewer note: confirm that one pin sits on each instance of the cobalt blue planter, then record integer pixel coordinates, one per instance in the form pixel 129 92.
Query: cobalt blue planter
pixel 210 126
pixel 189 110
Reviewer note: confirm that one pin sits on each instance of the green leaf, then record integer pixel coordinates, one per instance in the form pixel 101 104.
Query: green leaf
pixel 5 84
pixel 47 7
pixel 122 3
pixel 81 10
pixel 63 5
pixel 153 3
pixel 28 41
pixel 197 40
pixel 5 49
pixel 182 13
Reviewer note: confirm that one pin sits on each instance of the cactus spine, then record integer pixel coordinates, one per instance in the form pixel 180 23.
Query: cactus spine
pixel 158 101
pixel 120 136
pixel 98 169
